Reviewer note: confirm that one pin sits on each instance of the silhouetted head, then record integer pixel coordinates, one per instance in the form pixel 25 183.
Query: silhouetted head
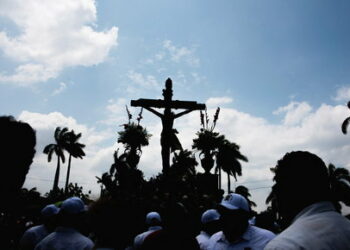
pixel 168 91
pixel 234 215
pixel 168 84
pixel 49 216
pixel 266 220
pixel 110 222
pixel 17 149
pixel 301 180
pixel 175 217
pixel 211 221
pixel 72 213
pixel 153 219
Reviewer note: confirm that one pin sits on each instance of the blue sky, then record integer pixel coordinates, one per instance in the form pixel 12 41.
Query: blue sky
pixel 277 63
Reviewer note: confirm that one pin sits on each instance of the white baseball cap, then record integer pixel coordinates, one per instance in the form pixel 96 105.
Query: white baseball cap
pixel 152 216
pixel 210 215
pixel 49 210
pixel 234 202
pixel 73 205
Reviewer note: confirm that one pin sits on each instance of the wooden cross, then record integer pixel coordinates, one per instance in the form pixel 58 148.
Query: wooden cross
pixel 168 138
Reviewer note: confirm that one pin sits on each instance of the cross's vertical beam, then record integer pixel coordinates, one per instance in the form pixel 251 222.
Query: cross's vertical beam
pixel 168 92
pixel 167 121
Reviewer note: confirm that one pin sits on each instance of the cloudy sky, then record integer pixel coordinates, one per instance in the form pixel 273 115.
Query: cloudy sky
pixel 280 71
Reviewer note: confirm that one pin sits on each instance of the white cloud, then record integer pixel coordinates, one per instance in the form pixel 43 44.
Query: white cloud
pixel 159 56
pixel 60 89
pixel 115 106
pixel 261 141
pixel 46 123
pixel 52 35
pixel 197 78
pixel 178 54
pixel 343 94
pixel 116 112
pixel 146 82
pixel 295 112
pixel 218 101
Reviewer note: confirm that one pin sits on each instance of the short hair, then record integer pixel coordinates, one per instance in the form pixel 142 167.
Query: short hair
pixel 109 218
pixel 17 149
pixel 302 170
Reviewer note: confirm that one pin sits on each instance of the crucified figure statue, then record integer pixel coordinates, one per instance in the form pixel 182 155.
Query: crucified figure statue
pixel 168 139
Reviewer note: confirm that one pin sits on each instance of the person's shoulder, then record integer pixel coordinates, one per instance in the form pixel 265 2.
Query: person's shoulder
pixel 49 237
pixel 213 240
pixel 263 232
pixel 282 243
pixel 329 221
pixel 153 239
pixel 28 236
pixel 202 238
pixel 34 232
pixel 35 228
pixel 83 241
pixel 76 235
pixel 45 242
pixel 139 236
pixel 293 237
pixel 338 219
pixel 215 237
pixel 203 235
pixel 87 240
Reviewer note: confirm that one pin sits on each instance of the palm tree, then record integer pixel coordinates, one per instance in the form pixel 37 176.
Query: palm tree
pixel 207 141
pixel 346 122
pixel 339 179
pixel 184 163
pixel 244 191
pixel 271 200
pixel 134 136
pixel 75 149
pixel 228 159
pixel 61 136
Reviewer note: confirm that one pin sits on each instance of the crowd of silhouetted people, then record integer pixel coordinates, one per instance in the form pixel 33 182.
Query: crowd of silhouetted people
pixel 304 215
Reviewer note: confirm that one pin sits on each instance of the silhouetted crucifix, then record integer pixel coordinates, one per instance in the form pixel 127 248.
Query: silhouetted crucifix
pixel 168 139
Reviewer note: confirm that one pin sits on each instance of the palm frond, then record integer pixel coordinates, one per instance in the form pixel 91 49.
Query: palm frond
pixel 59 152
pixel 129 114
pixel 341 172
pixel 48 148
pixel 63 131
pixel 56 134
pixel 79 145
pixel 331 169
pixel 345 125
pixel 339 184
pixel 242 190
pixel 202 118
pixel 49 155
pixel 77 137
pixel 72 145
pixel 134 136
pixel 228 158
pixel 271 197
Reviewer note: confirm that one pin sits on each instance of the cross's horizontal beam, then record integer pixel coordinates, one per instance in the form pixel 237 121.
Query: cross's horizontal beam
pixel 152 103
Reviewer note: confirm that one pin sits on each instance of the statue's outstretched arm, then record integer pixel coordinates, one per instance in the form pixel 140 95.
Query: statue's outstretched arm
pixel 154 112
pixel 183 113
